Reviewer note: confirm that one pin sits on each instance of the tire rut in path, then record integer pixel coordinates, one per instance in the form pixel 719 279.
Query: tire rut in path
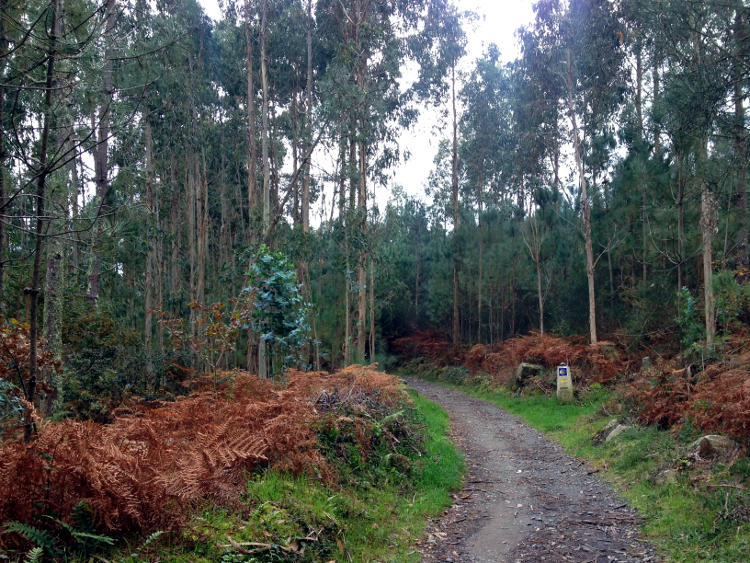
pixel 524 499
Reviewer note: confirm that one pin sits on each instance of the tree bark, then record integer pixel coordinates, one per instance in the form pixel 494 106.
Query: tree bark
pixel 308 124
pixel 252 157
pixel 740 32
pixel 3 155
pixel 708 226
pixel 101 150
pixel 480 260
pixel 641 137
pixel 456 218
pixel 191 181
pixel 657 88
pixel 75 191
pixel 680 222
pixel 175 279
pixel 371 287
pixel 148 298
pixel 265 132
pixel 201 186
pixel 362 266
pixel 41 173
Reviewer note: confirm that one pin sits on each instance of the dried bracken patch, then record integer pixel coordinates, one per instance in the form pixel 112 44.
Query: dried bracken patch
pixel 716 400
pixel 145 470
pixel 599 363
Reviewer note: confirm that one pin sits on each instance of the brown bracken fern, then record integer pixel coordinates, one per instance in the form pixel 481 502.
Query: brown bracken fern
pixel 146 470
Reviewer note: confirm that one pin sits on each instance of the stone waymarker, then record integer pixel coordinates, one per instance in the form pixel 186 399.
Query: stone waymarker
pixel 564 383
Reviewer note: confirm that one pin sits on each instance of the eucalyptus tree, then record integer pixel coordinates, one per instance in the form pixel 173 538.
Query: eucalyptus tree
pixel 581 40
pixel 487 147
pixel 440 47
pixel 366 42
pixel 696 86
pixel 49 45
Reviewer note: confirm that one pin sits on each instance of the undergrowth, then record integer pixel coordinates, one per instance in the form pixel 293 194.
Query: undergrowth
pixel 330 467
pixel 703 515
pixel 377 514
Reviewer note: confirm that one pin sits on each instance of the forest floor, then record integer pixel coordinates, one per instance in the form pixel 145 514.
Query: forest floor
pixel 525 499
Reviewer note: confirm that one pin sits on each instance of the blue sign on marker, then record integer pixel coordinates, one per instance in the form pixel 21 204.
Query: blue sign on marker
pixel 562 371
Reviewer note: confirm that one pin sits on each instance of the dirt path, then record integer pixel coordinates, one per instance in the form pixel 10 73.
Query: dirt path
pixel 525 499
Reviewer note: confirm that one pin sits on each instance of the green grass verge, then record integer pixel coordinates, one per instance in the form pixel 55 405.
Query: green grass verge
pixel 377 516
pixel 703 516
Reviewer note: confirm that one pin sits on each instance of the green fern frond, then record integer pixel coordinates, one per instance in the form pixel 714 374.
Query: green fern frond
pixel 84 538
pixel 83 517
pixel 88 539
pixel 40 538
pixel 35 555
pixel 149 540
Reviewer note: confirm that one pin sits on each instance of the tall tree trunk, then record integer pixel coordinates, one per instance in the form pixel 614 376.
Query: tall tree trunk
pixel 42 172
pixel 308 124
pixel 252 157
pixel 265 128
pixel 3 155
pixel 539 293
pixel 680 221
pixel 740 36
pixel 52 318
pixel 584 201
pixel 175 279
pixel 708 226
pixel 456 219
pixel 262 361
pixel 148 289
pixel 52 314
pixel 362 265
pixel 657 93
pixel 535 245
pixel 480 260
pixel 101 166
pixel 641 136
pixel 74 193
pixel 371 288
pixel 610 269
pixel 417 266
pixel 191 181
pixel 295 145
pixel 347 310
pixel 201 186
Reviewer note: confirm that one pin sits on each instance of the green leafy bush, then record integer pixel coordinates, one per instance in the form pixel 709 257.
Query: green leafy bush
pixel 276 308
pixel 691 325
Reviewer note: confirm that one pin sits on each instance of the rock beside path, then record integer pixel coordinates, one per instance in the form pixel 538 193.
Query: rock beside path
pixel 714 445
pixel 524 498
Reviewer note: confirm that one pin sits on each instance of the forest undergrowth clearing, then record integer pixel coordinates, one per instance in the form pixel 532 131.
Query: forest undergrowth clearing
pixel 346 460
pixel 694 508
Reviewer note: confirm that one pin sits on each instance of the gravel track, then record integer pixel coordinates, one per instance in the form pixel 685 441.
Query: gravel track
pixel 524 499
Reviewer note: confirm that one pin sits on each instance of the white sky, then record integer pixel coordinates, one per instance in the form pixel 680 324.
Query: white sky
pixel 497 23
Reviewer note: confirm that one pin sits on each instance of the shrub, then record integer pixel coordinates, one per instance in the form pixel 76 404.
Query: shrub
pixel 692 328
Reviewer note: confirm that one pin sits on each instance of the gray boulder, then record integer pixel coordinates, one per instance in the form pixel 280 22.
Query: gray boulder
pixel 616 431
pixel 714 445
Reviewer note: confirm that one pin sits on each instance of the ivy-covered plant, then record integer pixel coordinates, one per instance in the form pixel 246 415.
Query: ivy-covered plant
pixel 278 312
pixel 692 329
